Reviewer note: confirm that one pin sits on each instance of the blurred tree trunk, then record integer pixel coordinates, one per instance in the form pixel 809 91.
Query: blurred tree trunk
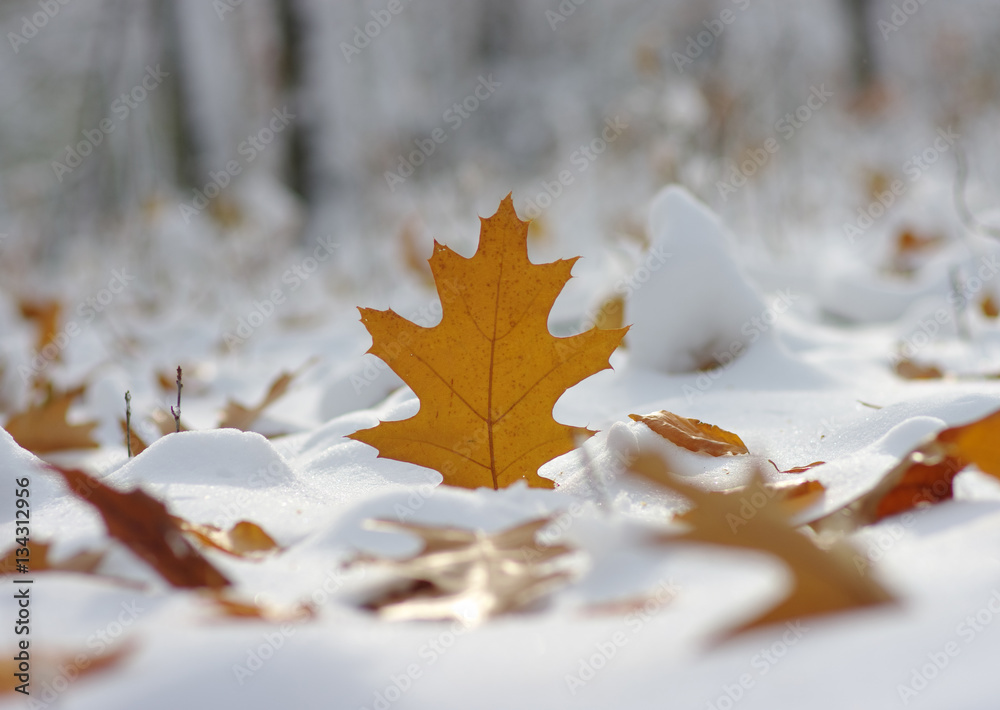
pixel 864 68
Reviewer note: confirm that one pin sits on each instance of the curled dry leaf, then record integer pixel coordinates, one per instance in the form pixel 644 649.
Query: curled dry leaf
pixel 793 496
pixel 468 575
pixel 824 580
pixel 85 561
pixel 43 428
pixel 692 434
pixel 243 539
pixel 144 525
pixel 925 475
pixel 797 469
pixel 489 374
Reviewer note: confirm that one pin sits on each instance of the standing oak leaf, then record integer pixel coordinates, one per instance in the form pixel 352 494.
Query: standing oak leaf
pixel 489 374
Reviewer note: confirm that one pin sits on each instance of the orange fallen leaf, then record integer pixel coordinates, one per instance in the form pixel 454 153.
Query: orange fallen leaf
pixel 236 416
pixel 45 315
pixel 144 525
pixel 910 370
pixel 240 609
pixel 797 469
pixel 489 374
pixel 244 539
pixel 85 561
pixel 48 667
pixel 925 474
pixel 43 428
pixel 989 307
pixel 824 580
pixel 692 434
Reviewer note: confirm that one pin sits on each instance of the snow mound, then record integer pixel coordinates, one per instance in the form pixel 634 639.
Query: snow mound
pixel 695 304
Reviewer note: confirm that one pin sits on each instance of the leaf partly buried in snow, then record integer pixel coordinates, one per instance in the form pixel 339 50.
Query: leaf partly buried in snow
pixel 468 575
pixel 925 474
pixel 85 561
pixel 692 434
pixel 228 607
pixel 244 539
pixel 143 524
pixel 43 428
pixel 49 668
pixel 489 374
pixel 824 581
pixel 237 416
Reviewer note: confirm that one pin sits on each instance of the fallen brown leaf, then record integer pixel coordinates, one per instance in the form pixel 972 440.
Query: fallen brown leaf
pixel 48 667
pixel 43 428
pixel 692 434
pixel 925 475
pixel 85 561
pixel 467 575
pixel 244 539
pixel 144 525
pixel 236 416
pixel 910 370
pixel 825 581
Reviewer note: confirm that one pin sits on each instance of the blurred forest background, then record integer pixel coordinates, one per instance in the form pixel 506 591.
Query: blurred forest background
pixel 366 82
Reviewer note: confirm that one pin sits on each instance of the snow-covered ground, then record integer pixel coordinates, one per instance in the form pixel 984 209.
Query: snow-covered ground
pixel 802 391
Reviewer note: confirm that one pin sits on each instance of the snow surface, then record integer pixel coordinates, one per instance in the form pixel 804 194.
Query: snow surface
pixel 802 391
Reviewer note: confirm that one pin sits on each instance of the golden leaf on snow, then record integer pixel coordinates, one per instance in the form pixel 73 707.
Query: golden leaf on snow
pixel 468 575
pixel 692 434
pixel 489 374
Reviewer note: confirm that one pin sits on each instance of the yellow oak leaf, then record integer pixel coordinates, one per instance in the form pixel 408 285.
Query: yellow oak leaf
pixel 489 374
pixel 43 428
